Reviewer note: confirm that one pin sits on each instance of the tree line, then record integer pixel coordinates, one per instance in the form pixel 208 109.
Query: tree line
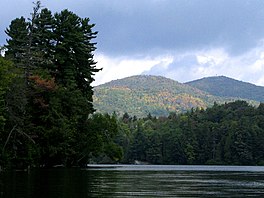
pixel 47 116
pixel 230 134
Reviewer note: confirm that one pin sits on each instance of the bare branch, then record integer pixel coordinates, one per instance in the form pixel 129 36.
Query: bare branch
pixel 9 135
pixel 23 133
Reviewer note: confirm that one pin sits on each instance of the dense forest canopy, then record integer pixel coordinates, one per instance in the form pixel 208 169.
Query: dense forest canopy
pixel 47 116
pixel 231 133
pixel 143 94
pixel 46 93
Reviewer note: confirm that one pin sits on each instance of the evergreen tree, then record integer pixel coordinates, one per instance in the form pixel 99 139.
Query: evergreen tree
pixel 18 43
pixel 53 55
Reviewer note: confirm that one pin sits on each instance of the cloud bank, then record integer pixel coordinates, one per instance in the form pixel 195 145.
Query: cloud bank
pixel 188 66
pixel 179 39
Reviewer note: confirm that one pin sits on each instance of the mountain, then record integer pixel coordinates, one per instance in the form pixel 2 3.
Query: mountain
pixel 142 94
pixel 227 87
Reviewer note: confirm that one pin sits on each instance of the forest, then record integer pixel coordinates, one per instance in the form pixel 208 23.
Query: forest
pixel 46 109
pixel 226 134
pixel 47 116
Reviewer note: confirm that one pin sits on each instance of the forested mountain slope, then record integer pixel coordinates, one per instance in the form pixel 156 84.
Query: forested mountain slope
pixel 228 87
pixel 141 95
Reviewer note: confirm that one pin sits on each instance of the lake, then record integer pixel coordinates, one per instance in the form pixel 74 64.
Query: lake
pixel 135 181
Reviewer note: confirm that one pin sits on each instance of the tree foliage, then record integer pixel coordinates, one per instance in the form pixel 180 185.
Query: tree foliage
pixel 141 95
pixel 230 133
pixel 47 116
pixel 45 107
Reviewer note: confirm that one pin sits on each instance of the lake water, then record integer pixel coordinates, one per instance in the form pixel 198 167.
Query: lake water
pixel 135 181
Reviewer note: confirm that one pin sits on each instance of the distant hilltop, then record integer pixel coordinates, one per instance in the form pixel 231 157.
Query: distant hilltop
pixel 227 87
pixel 142 95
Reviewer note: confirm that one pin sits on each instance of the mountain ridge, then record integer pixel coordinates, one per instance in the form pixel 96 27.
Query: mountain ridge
pixel 143 94
pixel 228 87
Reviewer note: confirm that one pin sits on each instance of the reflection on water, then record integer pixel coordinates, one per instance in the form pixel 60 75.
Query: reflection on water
pixel 136 181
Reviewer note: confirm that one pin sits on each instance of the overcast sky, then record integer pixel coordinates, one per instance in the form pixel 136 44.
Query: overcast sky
pixel 179 39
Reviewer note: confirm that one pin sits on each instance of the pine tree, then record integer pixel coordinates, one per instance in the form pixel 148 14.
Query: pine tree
pixel 18 42
pixel 55 53
pixel 73 52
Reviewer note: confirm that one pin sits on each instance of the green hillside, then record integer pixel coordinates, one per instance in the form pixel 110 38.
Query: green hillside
pixel 228 87
pixel 141 95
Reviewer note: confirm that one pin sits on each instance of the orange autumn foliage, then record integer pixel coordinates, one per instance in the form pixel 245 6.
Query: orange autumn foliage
pixel 48 84
pixel 45 85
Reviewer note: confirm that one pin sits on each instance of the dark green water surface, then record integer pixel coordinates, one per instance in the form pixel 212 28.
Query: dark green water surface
pixel 135 181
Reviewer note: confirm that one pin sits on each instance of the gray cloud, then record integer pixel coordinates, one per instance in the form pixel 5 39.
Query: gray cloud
pixel 151 26
pixel 147 26
pixel 143 32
